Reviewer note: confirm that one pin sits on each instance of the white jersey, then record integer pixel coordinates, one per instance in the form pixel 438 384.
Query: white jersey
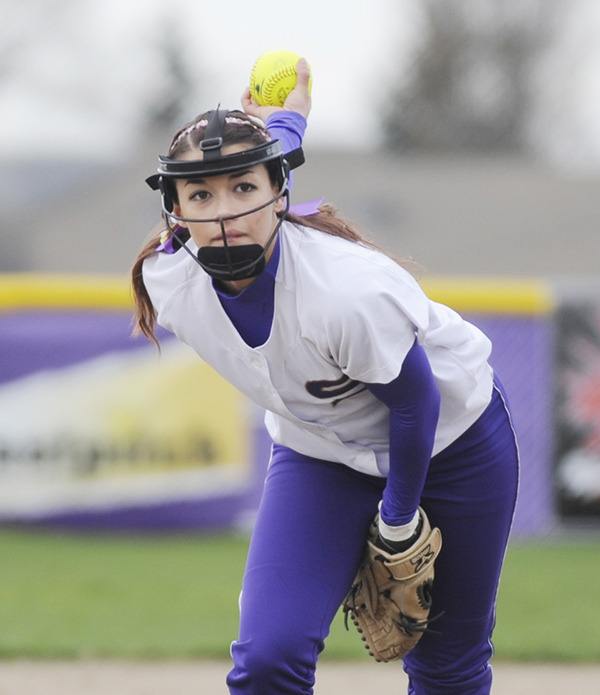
pixel 344 315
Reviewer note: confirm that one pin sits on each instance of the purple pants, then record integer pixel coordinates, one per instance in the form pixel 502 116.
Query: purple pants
pixel 309 539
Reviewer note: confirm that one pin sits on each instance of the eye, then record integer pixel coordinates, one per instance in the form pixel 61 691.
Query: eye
pixel 245 187
pixel 199 195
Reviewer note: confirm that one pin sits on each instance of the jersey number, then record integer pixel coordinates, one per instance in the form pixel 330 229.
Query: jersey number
pixel 335 389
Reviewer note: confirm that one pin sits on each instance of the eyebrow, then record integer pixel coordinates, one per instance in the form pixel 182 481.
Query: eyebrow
pixel 231 176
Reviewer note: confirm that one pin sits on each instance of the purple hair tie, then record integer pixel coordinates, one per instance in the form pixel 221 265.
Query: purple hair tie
pixel 167 238
pixel 306 209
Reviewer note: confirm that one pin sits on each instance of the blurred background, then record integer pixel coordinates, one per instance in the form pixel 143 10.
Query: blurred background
pixel 464 135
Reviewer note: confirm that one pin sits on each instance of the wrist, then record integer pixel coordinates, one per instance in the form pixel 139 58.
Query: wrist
pixel 398 533
pixel 399 546
pixel 287 115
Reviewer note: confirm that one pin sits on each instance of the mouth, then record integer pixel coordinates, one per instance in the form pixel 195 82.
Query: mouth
pixel 230 235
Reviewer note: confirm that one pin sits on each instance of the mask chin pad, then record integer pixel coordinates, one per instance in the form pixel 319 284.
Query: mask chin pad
pixel 232 263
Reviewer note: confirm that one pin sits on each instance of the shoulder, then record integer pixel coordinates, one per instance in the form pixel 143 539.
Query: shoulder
pixel 337 259
pixel 340 278
pixel 165 274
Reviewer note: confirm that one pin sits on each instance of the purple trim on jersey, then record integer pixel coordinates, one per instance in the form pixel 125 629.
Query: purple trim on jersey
pixel 414 402
pixel 251 311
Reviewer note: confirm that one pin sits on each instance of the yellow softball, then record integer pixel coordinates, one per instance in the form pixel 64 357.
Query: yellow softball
pixel 273 77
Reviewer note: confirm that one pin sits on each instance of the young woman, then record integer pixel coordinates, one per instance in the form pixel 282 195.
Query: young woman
pixel 375 396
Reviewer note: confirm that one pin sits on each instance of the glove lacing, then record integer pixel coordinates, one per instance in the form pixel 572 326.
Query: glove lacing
pixel 409 626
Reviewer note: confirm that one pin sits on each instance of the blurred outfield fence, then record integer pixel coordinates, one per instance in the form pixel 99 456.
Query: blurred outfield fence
pixel 100 432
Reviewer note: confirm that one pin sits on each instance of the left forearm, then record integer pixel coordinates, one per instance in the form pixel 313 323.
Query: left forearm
pixel 413 400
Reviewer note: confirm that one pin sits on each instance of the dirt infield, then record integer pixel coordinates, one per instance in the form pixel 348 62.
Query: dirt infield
pixel 207 678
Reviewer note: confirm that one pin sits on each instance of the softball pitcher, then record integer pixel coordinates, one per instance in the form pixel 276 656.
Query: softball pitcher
pixel 393 474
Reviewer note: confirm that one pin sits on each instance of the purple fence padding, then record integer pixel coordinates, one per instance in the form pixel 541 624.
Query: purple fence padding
pixel 34 340
pixel 522 356
pixel 207 514
pixel 31 341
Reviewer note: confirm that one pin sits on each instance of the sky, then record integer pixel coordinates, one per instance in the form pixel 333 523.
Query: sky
pixel 82 86
pixel 77 76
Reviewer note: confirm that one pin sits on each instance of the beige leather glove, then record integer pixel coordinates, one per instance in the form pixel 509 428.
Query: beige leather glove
pixel 390 598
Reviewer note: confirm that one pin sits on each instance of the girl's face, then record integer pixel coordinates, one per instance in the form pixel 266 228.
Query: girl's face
pixel 228 194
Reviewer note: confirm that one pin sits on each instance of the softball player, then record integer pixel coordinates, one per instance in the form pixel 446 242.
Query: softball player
pixel 375 396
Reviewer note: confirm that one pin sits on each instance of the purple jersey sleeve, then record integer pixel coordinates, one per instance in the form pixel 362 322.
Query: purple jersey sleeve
pixel 413 399
pixel 288 127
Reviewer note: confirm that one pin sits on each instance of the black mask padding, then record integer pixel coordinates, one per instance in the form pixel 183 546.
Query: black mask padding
pixel 169 192
pixel 276 173
pixel 232 262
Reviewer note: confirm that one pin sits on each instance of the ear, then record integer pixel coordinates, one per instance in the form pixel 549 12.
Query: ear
pixel 279 206
pixel 177 211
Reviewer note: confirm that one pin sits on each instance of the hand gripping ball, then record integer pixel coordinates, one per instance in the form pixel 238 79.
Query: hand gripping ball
pixel 273 77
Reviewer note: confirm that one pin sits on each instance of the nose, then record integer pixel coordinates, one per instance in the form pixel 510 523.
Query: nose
pixel 224 208
pixel 221 208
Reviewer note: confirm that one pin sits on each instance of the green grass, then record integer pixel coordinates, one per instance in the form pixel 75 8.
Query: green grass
pixel 176 597
pixel 549 603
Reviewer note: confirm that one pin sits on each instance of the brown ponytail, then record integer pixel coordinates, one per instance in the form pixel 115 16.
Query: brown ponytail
pixel 328 221
pixel 144 316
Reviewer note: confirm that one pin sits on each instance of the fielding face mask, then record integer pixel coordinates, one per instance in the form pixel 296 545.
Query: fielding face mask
pixel 227 262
